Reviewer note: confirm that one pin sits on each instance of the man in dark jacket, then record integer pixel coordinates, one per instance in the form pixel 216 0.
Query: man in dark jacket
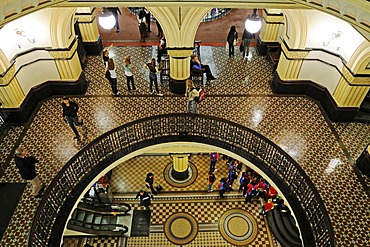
pixel 70 110
pixel 144 199
pixel 26 166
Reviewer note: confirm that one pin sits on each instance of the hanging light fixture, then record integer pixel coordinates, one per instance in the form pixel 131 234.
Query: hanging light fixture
pixel 106 19
pixel 253 23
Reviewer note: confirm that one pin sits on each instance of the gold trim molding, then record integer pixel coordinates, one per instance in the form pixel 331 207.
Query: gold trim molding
pixel 180 53
pixel 9 75
pixel 354 80
pixel 294 54
pixel 63 54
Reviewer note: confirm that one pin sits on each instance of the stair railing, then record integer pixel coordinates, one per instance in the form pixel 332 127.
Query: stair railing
pixel 62 193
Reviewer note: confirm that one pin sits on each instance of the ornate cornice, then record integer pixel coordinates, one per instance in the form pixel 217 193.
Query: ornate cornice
pixel 294 54
pixel 354 79
pixel 64 54
pixel 180 53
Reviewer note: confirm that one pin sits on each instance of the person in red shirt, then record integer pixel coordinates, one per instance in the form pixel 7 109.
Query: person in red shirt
pixel 269 205
pixel 262 191
pixel 271 193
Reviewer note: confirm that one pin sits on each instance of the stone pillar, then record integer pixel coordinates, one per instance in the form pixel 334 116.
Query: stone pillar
pixel 272 23
pixel 88 29
pixel 179 68
pixel 179 26
pixel 180 166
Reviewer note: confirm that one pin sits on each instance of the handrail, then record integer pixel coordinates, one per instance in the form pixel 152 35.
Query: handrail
pixel 62 193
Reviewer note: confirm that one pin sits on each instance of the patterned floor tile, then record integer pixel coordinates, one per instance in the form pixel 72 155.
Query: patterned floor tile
pixel 241 93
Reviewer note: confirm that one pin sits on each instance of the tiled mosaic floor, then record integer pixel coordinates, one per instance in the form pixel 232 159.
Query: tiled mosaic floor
pixel 240 94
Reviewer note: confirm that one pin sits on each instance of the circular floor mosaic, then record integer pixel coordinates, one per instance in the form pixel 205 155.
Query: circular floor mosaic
pixel 181 228
pixel 238 227
pixel 193 174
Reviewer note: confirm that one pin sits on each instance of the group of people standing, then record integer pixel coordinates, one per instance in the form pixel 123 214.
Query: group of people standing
pixel 111 73
pixel 232 41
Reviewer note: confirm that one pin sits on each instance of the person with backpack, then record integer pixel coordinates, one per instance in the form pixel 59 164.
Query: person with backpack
pixel 223 186
pixel 191 94
pixel 244 181
pixel 232 37
pixel 211 180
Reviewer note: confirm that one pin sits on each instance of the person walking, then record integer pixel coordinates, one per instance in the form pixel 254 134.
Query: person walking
pixel 246 42
pixel 144 199
pixel 129 76
pixel 153 70
pixel 142 25
pixel 150 182
pixel 213 158
pixel 232 37
pixel 115 11
pixel 112 78
pixel 211 179
pixel 148 19
pixel 70 109
pixel 27 170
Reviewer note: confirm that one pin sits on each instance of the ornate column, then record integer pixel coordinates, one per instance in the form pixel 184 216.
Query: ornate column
pixel 349 92
pixel 179 25
pixel 88 29
pixel 290 63
pixel 272 23
pixel 68 63
pixel 11 94
pixel 180 166
pixel 354 83
pixel 179 68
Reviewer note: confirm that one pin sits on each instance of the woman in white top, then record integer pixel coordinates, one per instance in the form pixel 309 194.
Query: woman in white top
pixel 191 93
pixel 113 76
pixel 128 73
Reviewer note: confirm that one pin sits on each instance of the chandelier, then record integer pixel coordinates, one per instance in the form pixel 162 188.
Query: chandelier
pixel 253 23
pixel 106 19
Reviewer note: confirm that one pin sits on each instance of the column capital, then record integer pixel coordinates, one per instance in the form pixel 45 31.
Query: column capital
pixel 180 52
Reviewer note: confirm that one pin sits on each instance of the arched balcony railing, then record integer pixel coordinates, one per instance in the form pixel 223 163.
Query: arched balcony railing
pixel 62 193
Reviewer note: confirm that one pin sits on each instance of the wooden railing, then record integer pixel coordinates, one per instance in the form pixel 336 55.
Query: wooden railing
pixel 62 193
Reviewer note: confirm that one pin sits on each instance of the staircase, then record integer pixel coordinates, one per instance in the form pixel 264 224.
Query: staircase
pixel 99 218
pixel 363 115
pixel 283 226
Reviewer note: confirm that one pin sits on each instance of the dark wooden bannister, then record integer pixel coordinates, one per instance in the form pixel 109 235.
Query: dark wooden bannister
pixel 63 192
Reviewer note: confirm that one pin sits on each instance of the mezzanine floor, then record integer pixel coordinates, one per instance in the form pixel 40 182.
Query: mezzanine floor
pixel 241 94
